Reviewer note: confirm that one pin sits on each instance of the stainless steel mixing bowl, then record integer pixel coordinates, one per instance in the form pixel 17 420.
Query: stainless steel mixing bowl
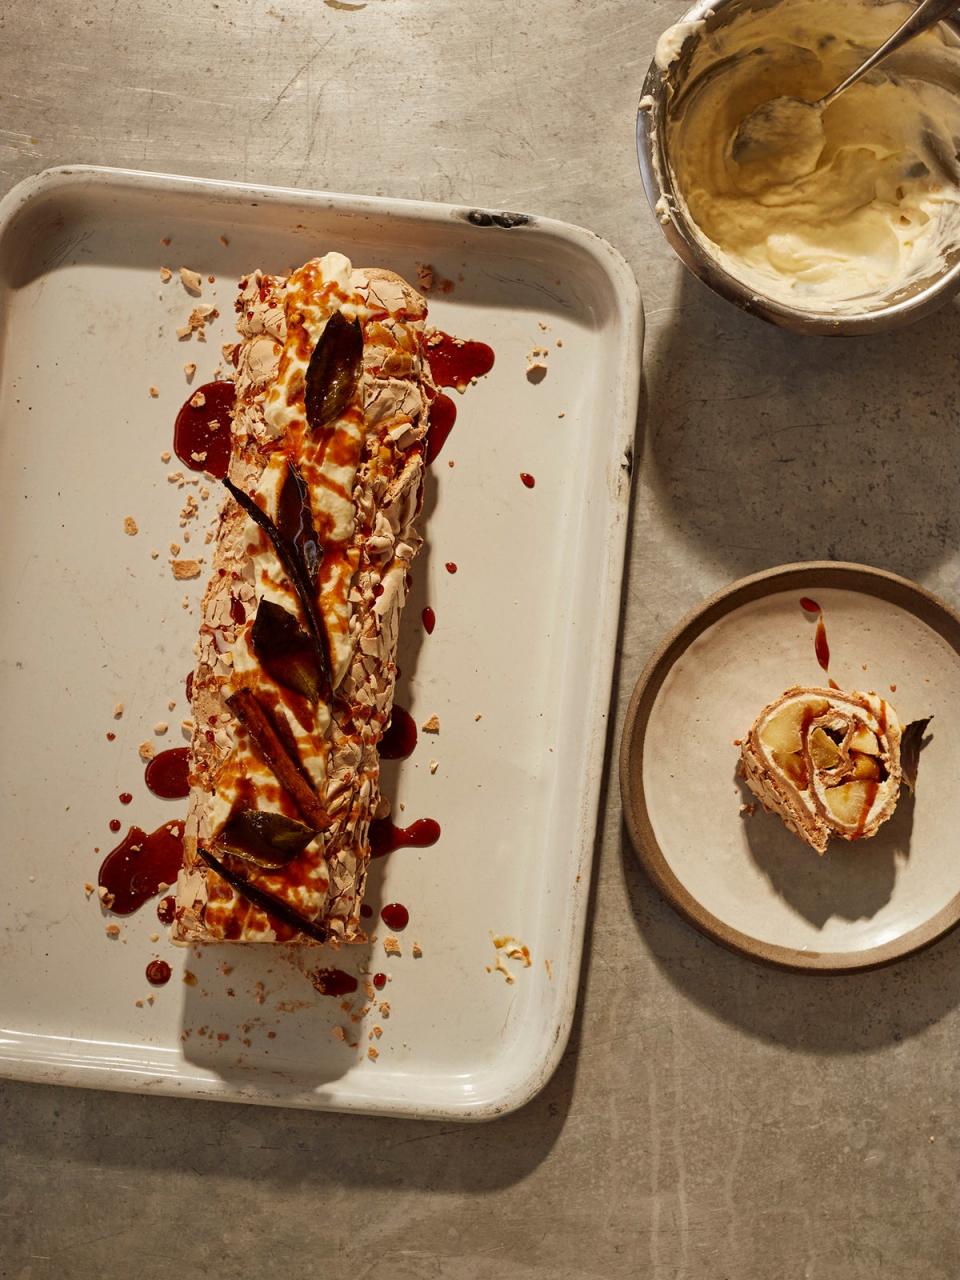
pixel 660 93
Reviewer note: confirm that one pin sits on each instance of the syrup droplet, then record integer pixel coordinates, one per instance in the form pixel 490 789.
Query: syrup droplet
pixel 167 774
pixel 197 443
pixel 385 837
pixel 400 737
pixel 395 916
pixel 158 972
pixel 429 620
pixel 527 479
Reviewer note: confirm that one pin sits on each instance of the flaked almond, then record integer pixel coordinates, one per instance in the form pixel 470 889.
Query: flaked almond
pixel 192 280
pixel 130 526
pixel 185 568
pixel 166 274
pixel 432 725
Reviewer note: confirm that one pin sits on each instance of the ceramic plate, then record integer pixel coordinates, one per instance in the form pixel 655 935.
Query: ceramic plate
pixel 742 877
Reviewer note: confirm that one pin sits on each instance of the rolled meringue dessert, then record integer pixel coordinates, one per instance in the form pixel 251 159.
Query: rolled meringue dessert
pixel 830 763
pixel 296 656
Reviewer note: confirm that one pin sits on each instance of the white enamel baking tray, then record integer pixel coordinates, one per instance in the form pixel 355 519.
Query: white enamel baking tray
pixel 524 640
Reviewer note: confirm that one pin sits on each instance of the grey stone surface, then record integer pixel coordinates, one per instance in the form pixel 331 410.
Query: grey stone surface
pixel 710 1119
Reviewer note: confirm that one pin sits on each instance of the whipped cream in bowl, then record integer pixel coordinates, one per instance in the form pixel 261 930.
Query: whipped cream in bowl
pixel 840 220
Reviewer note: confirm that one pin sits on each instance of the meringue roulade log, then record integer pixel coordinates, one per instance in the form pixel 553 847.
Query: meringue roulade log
pixel 827 762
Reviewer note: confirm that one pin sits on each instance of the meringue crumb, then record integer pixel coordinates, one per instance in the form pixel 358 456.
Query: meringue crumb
pixel 185 568
pixel 198 399
pixel 417 951
pixel 432 725
pixel 166 274
pixel 224 240
pixel 174 548
pixel 373 1054
pixel 138 1003
pixel 166 455
pixel 425 277
pixel 154 555
pixel 192 280
pixel 105 896
pixel 434 766
pixel 154 937
pixel 748 810
pixel 376 1031
pixel 189 369
pixel 338 1033
pixel 160 728
pixel 118 711
pixel 188 725
pixel 384 1008
pixel 88 888
pixel 391 945
pixel 112 931
pixel 543 327
pixel 537 364
pixel 154 392
pixel 170 704
pixel 146 751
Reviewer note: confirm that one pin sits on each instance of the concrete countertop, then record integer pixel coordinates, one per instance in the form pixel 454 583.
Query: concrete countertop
pixel 710 1118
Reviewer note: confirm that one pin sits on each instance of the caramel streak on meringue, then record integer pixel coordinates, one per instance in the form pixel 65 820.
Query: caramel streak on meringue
pixel 363 472
pixel 827 762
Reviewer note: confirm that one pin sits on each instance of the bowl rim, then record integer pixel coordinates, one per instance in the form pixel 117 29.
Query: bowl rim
pixel 677 227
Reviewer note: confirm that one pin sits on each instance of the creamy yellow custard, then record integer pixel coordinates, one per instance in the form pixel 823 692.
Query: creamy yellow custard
pixel 838 208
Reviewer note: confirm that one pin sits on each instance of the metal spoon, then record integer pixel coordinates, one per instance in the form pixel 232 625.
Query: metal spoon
pixel 790 131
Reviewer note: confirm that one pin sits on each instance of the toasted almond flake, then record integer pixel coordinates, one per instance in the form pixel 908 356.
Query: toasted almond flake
pixel 88 888
pixel 118 711
pixel 146 750
pixel 160 728
pixel 185 568
pixel 154 392
pixel 391 945
pixel 174 548
pixel 434 766
pixel 192 280
pixel 373 1054
pixel 377 1031
pixel 166 274
pixel 417 951
pixel 188 725
pixel 384 1008
pixel 198 400
pixel 189 369
pixel 432 725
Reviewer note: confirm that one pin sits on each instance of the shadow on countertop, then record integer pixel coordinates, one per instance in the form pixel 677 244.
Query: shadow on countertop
pixel 816 1013
pixel 768 447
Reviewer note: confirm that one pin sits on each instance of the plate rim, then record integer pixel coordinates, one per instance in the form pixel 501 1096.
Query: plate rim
pixel 839 574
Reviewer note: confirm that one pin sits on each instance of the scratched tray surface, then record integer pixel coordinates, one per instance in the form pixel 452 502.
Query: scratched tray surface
pixel 518 668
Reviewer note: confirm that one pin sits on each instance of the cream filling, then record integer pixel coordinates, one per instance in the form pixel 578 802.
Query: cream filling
pixel 873 211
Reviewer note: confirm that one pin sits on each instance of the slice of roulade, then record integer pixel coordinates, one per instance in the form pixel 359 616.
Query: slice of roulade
pixel 827 762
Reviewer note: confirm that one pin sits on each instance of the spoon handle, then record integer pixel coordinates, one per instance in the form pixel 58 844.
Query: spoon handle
pixel 927 14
